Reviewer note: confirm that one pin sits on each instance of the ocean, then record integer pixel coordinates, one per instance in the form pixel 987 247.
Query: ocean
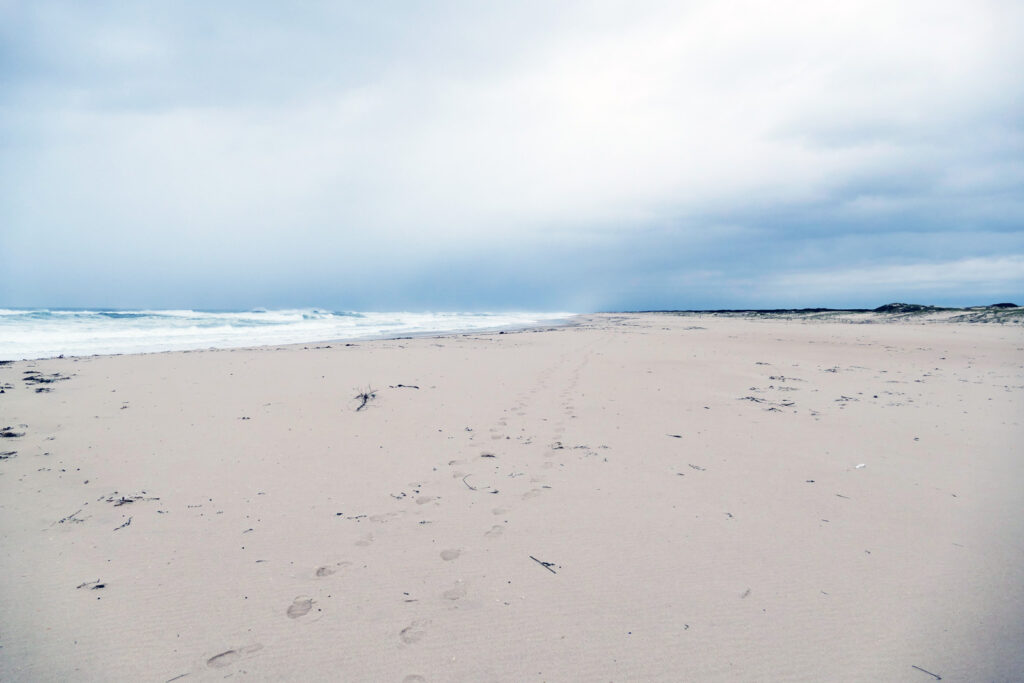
pixel 45 333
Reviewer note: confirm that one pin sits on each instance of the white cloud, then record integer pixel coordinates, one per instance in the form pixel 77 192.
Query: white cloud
pixel 483 127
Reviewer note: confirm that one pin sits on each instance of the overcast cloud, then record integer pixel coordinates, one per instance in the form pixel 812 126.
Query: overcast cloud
pixel 516 155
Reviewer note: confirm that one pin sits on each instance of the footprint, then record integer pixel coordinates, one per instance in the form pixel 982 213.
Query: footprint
pixel 328 569
pixel 451 554
pixel 229 657
pixel 455 593
pixel 423 500
pixel 496 530
pixel 383 517
pixel 499 511
pixel 366 540
pixel 414 632
pixel 223 659
pixel 300 607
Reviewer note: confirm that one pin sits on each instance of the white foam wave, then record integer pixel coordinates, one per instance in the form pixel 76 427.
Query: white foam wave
pixel 43 333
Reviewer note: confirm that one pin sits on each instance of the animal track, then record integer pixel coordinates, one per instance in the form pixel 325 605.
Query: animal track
pixel 496 530
pixel 450 554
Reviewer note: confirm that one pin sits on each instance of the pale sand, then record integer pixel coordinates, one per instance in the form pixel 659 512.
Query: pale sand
pixel 278 534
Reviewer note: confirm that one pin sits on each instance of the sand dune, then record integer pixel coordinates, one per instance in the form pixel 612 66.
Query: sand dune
pixel 633 497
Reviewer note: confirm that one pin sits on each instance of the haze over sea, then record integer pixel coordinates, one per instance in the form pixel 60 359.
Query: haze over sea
pixel 44 333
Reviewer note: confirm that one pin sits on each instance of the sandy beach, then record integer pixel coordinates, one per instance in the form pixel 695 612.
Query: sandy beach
pixel 642 497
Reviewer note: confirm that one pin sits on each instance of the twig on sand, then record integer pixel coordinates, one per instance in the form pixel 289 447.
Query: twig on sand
pixel 125 524
pixel 546 565
pixel 487 489
pixel 937 677
pixel 364 397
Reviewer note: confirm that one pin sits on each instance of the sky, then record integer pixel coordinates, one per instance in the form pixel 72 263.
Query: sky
pixel 574 156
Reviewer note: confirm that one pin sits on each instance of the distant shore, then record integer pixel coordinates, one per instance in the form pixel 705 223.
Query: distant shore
pixel 635 496
pixel 996 313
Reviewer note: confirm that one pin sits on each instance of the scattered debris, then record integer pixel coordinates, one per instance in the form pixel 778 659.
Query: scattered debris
pixel 33 377
pixel 118 500
pixel 404 386
pixel 125 524
pixel 71 518
pixel 7 455
pixel 91 585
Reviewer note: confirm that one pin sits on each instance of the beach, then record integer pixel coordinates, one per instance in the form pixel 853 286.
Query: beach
pixel 628 497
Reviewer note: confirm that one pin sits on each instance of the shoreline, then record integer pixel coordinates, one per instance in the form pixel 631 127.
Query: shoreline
pixel 630 497
pixel 554 322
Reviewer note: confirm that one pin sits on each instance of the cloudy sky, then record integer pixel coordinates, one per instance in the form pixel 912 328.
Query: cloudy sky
pixel 495 155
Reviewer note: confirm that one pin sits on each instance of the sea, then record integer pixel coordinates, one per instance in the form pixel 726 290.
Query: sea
pixel 47 333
